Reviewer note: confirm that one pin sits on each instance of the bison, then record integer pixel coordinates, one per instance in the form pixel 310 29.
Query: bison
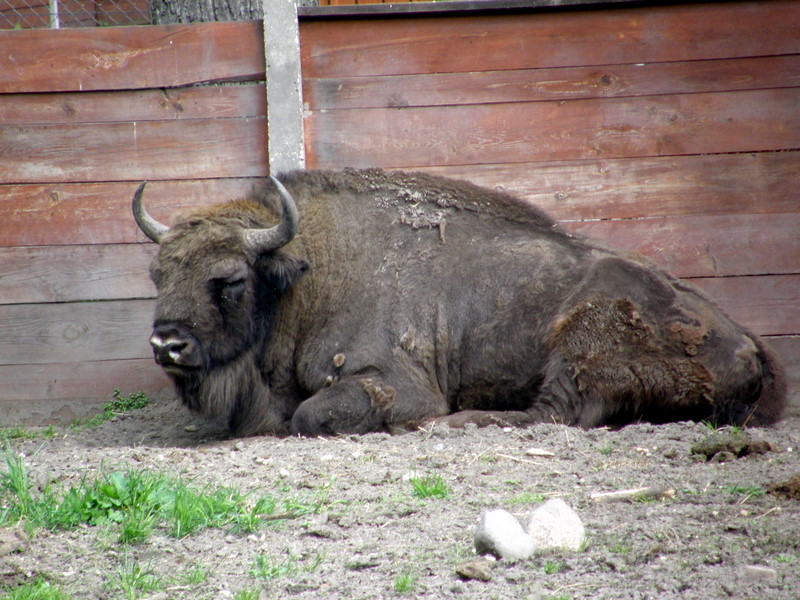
pixel 405 298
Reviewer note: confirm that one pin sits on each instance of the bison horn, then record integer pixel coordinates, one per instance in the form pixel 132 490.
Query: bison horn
pixel 151 228
pixel 265 240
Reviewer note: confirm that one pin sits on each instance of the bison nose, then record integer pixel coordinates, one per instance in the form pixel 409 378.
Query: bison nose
pixel 172 346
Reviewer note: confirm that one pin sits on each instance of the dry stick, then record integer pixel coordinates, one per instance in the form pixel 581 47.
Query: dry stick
pixel 632 494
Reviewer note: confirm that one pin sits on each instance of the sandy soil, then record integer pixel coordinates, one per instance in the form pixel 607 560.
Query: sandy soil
pixel 722 534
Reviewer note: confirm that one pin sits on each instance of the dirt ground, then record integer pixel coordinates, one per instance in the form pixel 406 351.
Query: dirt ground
pixel 723 533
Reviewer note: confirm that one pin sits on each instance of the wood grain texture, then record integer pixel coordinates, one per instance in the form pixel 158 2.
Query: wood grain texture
pixel 765 182
pixel 567 83
pixel 99 213
pixel 48 381
pixel 450 44
pixel 707 246
pixel 192 149
pixel 208 102
pixel 75 332
pixel 761 120
pixel 112 58
pixel 767 304
pixel 73 273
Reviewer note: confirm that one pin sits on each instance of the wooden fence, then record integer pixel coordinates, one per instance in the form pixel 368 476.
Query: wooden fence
pixel 671 130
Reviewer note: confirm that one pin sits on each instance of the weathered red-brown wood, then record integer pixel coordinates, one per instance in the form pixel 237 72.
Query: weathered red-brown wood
pixel 764 182
pixel 568 83
pixel 75 332
pixel 401 46
pixel 191 149
pixel 787 349
pixel 547 131
pixel 99 213
pixel 206 102
pixel 113 58
pixel 767 304
pixel 60 393
pixel 707 246
pixel 73 273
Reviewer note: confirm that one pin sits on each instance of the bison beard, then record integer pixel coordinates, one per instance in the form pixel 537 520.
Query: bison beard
pixel 505 319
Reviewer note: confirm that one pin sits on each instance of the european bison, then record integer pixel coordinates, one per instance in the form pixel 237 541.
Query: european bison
pixel 401 298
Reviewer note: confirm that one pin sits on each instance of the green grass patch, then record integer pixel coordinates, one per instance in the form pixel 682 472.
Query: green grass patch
pixel 429 486
pixel 38 590
pixel 120 405
pixel 405 582
pixel 136 502
pixel 268 567
pixel 526 498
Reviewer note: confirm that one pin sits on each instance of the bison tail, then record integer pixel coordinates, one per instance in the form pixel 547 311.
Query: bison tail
pixel 772 401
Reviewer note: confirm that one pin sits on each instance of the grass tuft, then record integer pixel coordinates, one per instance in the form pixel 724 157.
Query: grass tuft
pixel 429 486
pixel 118 406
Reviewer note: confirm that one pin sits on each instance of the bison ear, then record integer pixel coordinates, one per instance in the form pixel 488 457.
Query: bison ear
pixel 280 270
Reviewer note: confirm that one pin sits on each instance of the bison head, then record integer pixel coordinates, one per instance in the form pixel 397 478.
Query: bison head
pixel 220 273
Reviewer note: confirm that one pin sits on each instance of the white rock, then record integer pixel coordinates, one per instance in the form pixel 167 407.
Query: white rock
pixel 555 525
pixel 501 535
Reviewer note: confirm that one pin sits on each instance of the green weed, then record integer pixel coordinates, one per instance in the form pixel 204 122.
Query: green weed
pixel 119 405
pixel 247 594
pixel 134 581
pixel 405 582
pixel 268 568
pixel 526 498
pixel 429 486
pixel 551 567
pixel 39 590
pixel 137 502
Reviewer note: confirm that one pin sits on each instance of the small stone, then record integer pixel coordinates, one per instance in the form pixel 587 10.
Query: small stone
pixel 239 446
pixel 479 569
pixel 539 452
pixel 555 525
pixel 338 360
pixel 500 534
pixel 759 573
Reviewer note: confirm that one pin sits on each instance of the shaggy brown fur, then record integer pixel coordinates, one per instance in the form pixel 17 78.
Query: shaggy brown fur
pixel 406 297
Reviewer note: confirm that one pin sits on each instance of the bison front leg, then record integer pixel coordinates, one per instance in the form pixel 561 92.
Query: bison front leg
pixel 351 405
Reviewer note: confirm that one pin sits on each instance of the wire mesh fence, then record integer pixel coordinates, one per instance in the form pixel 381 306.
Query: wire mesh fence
pixel 55 14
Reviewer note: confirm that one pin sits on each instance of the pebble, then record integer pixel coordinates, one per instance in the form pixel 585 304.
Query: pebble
pixel 479 569
pixel 539 452
pixel 759 573
pixel 501 535
pixel 555 525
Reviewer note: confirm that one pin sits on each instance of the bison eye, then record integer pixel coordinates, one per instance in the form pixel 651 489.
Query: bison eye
pixel 228 292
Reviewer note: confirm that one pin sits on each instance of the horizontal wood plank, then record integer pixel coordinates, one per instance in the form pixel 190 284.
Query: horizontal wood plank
pixel 707 246
pixel 99 213
pixel 446 44
pixel 206 102
pixel 62 392
pixel 112 58
pixel 112 330
pixel 75 332
pixel 72 273
pixel 569 83
pixel 787 350
pixel 768 305
pixel 192 149
pixel 765 182
pixel 762 120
